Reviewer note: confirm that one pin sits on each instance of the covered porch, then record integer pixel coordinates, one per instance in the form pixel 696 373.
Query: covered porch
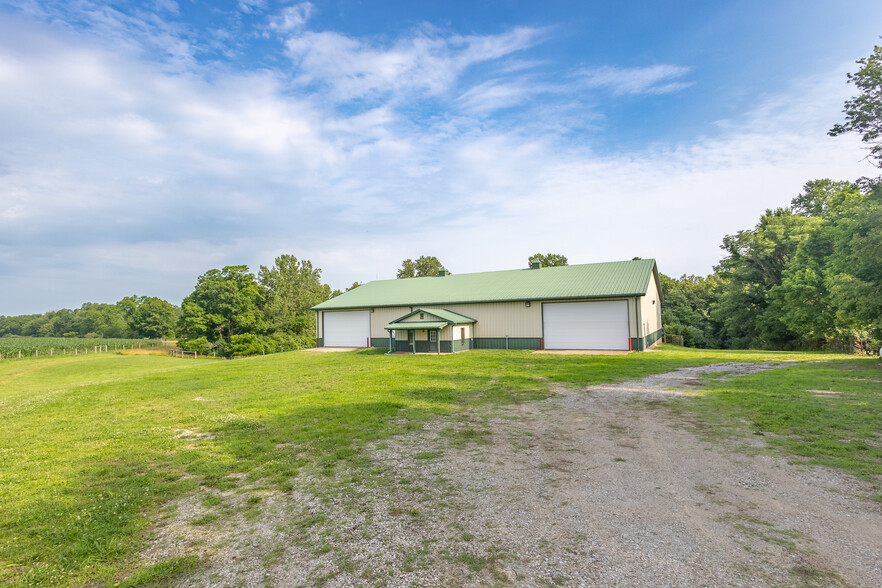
pixel 430 331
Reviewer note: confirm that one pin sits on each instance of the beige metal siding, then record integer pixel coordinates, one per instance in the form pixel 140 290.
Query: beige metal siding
pixel 417 319
pixel 498 319
pixel 383 316
pixel 495 319
pixel 650 309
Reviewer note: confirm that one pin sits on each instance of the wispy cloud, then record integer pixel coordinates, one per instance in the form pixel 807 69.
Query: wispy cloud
pixel 426 62
pixel 655 79
pixel 291 18
pixel 502 93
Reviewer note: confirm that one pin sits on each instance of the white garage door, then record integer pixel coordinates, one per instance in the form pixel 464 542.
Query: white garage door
pixel 346 329
pixel 586 325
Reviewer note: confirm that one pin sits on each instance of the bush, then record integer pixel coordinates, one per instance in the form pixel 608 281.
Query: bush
pixel 247 344
pixel 199 345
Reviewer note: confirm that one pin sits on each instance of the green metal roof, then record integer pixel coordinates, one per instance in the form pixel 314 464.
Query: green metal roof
pixel 418 326
pixel 451 317
pixel 592 280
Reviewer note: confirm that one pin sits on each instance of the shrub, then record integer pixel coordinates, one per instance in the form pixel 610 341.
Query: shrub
pixel 247 344
pixel 199 345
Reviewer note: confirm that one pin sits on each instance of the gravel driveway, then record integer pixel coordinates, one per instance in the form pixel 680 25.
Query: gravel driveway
pixel 604 486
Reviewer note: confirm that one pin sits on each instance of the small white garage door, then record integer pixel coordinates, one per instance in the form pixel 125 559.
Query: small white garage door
pixel 346 329
pixel 586 325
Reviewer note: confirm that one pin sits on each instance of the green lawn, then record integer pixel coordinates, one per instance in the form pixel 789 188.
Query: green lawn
pixel 91 448
pixel 827 413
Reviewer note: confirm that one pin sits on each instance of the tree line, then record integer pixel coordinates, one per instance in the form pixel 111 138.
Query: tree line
pixel 807 276
pixel 133 317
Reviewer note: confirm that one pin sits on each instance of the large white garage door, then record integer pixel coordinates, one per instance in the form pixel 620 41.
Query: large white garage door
pixel 346 329
pixel 586 325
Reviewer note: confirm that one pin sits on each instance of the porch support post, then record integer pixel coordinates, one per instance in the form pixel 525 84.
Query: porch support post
pixel 438 339
pixel 390 340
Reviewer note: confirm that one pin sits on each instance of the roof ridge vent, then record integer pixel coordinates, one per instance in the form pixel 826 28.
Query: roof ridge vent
pixel 442 272
pixel 536 265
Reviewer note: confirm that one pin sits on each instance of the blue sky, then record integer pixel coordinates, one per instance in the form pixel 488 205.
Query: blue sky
pixel 143 143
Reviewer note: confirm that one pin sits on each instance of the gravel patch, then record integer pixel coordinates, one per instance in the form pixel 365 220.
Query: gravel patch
pixel 603 486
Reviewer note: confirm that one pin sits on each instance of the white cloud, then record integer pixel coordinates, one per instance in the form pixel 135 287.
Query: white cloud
pixel 291 18
pixel 637 80
pixel 497 94
pixel 251 6
pixel 424 63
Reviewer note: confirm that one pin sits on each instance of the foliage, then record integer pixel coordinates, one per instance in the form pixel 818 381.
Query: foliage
pixel 225 303
pixel 245 344
pixel 291 288
pixel 686 307
pixel 863 113
pixel 234 314
pixel 131 317
pixel 150 316
pixel 752 271
pixel 805 277
pixel 199 345
pixel 547 259
pixel 423 266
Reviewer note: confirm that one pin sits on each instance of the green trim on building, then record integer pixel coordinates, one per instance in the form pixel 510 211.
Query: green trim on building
pixel 461 345
pixel 380 342
pixel 636 344
pixel 651 339
pixel 500 343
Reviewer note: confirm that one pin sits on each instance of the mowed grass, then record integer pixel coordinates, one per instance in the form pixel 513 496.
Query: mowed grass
pixel 92 448
pixel 827 413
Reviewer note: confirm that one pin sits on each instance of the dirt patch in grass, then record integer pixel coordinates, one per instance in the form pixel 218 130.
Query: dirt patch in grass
pixel 604 486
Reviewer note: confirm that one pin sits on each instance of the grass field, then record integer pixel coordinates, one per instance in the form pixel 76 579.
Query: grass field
pixel 93 447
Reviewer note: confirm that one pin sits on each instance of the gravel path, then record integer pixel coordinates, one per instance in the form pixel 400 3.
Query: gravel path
pixel 604 486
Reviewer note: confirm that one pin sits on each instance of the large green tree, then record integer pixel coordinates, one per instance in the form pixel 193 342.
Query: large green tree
pixel 291 288
pixel 863 113
pixel 547 259
pixel 686 309
pixel 106 320
pixel 752 269
pixel 225 303
pixel 425 265
pixel 150 317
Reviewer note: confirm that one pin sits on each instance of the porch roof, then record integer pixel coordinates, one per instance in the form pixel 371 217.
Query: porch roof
pixel 416 326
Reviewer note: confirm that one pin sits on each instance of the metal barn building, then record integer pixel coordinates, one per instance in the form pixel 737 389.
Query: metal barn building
pixel 615 305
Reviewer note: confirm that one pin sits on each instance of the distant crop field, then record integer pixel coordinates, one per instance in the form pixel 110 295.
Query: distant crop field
pixel 22 347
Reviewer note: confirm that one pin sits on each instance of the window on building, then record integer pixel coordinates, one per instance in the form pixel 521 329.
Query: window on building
pixel 433 336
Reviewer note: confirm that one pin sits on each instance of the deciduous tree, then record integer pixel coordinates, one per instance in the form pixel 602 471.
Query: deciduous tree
pixel 547 259
pixel 425 265
pixel 863 113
